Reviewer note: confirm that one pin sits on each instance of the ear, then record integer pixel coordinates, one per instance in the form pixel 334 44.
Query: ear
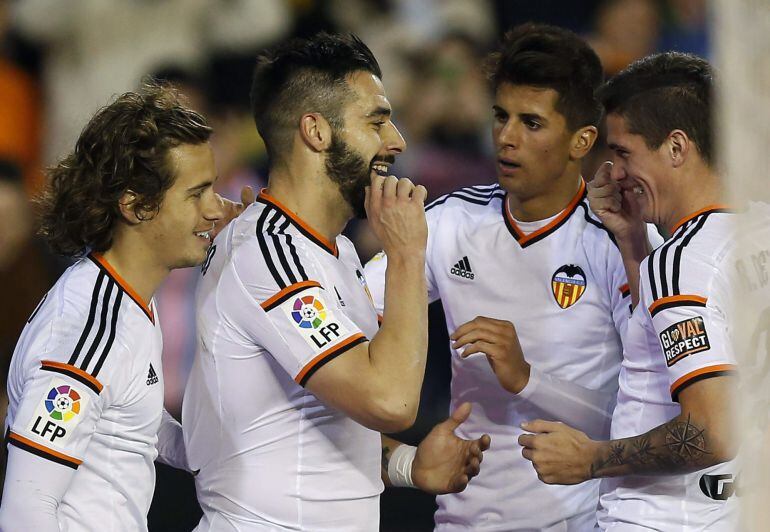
pixel 315 131
pixel 582 141
pixel 127 205
pixel 679 146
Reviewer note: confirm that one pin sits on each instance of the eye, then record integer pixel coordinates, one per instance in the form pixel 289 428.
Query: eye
pixel 378 125
pixel 501 117
pixel 533 125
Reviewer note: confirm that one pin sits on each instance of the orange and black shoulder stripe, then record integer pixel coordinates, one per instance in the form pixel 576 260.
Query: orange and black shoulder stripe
pixel 73 372
pixel 286 293
pixel 17 440
pixel 327 356
pixel 699 374
pixel 687 300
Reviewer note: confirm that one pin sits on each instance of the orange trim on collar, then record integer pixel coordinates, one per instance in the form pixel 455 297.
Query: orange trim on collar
pixel 330 246
pixel 99 258
pixel 715 207
pixel 524 238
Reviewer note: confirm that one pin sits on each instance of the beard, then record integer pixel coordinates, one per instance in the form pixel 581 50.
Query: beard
pixel 352 174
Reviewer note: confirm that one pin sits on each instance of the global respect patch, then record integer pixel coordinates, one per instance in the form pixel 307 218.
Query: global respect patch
pixel 59 412
pixel 683 339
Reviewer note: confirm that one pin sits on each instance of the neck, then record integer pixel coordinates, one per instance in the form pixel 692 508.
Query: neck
pixel 700 191
pixel 142 275
pixel 550 203
pixel 313 198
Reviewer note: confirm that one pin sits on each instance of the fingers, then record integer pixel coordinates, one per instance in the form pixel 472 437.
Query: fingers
pixel 389 187
pixel 602 175
pixel 460 414
pixel 486 324
pixel 404 188
pixel 541 426
pixel 527 440
pixel 480 346
pixel 376 189
pixel 247 196
pixel 420 194
pixel 484 442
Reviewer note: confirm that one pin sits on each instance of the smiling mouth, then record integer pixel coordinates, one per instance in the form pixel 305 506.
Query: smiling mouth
pixel 508 165
pixel 638 190
pixel 380 168
pixel 204 234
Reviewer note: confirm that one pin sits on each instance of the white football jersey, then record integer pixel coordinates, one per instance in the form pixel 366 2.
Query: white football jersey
pixel 678 335
pixel 85 390
pixel 562 284
pixel 276 302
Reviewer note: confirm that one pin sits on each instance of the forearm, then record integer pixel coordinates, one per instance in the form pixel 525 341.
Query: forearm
pixel 681 445
pixel 33 489
pixel 398 351
pixel 171 449
pixel 634 249
pixel 583 408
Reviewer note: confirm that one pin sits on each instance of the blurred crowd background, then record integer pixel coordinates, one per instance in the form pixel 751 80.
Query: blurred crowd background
pixel 60 60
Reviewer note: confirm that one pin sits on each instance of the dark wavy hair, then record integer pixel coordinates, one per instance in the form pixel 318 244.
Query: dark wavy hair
pixel 124 147
pixel 540 55
pixel 305 75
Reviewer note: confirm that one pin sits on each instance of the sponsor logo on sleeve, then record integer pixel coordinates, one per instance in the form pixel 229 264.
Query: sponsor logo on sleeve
pixel 684 338
pixel 59 412
pixel 315 322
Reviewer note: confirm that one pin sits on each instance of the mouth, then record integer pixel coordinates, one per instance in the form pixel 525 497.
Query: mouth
pixel 507 165
pixel 380 168
pixel 205 235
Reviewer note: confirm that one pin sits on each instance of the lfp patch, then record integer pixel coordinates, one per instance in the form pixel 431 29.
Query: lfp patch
pixel 684 338
pixel 568 285
pixel 314 319
pixel 61 410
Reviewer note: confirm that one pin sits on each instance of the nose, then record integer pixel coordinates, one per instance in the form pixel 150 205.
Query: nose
pixel 214 209
pixel 507 135
pixel 618 171
pixel 393 141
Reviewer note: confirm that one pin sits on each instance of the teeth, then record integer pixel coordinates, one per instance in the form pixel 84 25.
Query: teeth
pixel 203 234
pixel 380 168
pixel 638 190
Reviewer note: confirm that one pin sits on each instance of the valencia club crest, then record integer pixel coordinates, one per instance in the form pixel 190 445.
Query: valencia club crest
pixel 568 284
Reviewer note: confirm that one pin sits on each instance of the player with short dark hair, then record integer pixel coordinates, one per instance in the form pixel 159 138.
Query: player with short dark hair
pixel 529 277
pixel 672 436
pixel 295 378
pixel 134 200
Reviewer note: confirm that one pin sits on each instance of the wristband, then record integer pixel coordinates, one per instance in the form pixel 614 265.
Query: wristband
pixel 400 466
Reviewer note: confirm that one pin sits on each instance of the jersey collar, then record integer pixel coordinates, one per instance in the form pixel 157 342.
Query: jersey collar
pixel 708 209
pixel 525 239
pixel 107 268
pixel 301 225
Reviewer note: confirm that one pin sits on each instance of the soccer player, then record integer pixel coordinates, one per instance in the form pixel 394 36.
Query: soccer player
pixel 294 377
pixel 672 439
pixel 525 265
pixel 85 388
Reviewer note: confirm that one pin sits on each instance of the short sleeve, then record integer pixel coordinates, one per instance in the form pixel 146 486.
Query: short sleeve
pixel 691 327
pixel 300 324
pixel 58 411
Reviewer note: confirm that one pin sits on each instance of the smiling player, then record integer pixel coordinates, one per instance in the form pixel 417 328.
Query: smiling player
pixel 85 386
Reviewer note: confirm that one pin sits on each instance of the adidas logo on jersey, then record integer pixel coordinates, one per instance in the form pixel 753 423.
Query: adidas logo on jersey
pixel 463 269
pixel 152 377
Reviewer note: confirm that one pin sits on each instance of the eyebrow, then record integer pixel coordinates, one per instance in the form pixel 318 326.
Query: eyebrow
pixel 207 184
pixel 379 111
pixel 523 116
pixel 616 147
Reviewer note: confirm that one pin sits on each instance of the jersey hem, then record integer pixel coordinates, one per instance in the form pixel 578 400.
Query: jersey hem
pixel 698 375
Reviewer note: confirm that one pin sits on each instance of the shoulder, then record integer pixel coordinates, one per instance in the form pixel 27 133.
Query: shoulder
pixel 475 200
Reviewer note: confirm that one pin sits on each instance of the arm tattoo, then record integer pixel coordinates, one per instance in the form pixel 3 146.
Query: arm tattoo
pixel 676 446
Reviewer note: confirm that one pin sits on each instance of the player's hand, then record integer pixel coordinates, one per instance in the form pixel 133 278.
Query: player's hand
pixel 497 339
pixel 231 209
pixel 617 208
pixel 559 453
pixel 396 212
pixel 445 463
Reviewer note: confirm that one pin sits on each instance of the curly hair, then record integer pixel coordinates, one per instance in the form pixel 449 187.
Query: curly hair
pixel 124 147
